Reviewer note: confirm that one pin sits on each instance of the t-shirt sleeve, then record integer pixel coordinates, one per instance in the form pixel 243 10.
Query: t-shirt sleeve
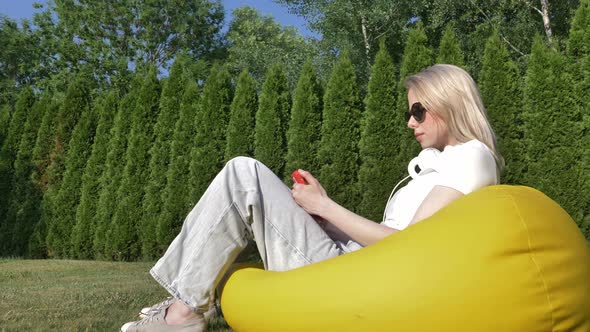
pixel 467 168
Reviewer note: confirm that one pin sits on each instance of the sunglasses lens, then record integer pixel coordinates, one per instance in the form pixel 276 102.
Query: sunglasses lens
pixel 408 115
pixel 418 112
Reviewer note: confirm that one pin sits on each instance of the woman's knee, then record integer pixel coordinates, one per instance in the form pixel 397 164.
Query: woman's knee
pixel 241 161
pixel 243 165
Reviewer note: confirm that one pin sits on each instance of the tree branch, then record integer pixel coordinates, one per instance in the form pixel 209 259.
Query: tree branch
pixel 499 33
pixel 533 7
pixel 544 12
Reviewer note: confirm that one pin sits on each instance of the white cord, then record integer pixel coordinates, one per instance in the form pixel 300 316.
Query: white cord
pixel 391 195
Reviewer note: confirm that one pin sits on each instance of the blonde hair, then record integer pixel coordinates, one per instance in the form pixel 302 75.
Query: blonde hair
pixel 450 93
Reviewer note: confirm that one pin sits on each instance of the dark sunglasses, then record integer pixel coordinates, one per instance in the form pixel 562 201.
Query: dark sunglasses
pixel 417 111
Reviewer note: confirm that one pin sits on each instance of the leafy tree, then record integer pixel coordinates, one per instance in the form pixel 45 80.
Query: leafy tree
pixel 356 26
pixel 242 118
pixel 417 56
pixel 516 22
pixel 112 175
pixel 501 89
pixel 449 50
pixel 84 229
pixel 124 242
pixel 338 153
pixel 379 144
pixel 160 156
pixel 109 35
pixel 549 130
pixel 256 40
pixel 8 155
pixel 207 155
pixel 270 143
pixel 304 133
pixel 176 194
pixel 17 57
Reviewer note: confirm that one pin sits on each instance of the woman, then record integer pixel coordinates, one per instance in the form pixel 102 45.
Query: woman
pixel 246 200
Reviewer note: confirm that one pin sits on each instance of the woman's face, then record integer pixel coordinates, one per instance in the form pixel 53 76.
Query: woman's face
pixel 433 131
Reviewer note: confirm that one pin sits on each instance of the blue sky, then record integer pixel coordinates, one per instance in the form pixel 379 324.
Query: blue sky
pixel 19 9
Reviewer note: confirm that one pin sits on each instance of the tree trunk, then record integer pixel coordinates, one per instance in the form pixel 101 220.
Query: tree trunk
pixel 547 22
pixel 366 40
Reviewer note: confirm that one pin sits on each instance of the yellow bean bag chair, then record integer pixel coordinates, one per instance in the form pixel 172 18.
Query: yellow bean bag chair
pixel 504 258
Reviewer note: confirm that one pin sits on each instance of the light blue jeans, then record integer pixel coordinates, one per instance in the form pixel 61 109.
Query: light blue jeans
pixel 245 201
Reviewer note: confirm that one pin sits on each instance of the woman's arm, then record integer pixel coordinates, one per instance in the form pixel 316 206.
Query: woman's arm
pixel 337 219
pixel 340 221
pixel 436 199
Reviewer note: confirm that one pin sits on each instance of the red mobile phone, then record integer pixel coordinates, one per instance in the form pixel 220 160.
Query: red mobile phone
pixel 297 178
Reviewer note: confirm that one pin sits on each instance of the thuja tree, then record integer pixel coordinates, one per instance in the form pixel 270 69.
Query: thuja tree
pixel 270 141
pixel 19 213
pixel 5 113
pixel 417 56
pixel 207 155
pixel 68 197
pixel 578 50
pixel 8 153
pixel 549 130
pixel 160 156
pixel 304 133
pixel 76 102
pixel 449 49
pixel 84 229
pixel 501 90
pixel 240 130
pixel 124 242
pixel 112 174
pixel 378 145
pixel 338 153
pixel 176 195
pixel 37 246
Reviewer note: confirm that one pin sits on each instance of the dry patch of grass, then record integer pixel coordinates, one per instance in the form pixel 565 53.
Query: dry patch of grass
pixel 68 295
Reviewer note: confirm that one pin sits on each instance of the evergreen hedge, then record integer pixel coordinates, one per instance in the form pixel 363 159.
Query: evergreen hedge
pixel 501 87
pixel 270 141
pixel 379 137
pixel 18 217
pixel 449 50
pixel 115 179
pixel 112 175
pixel 160 156
pixel 76 102
pixel 417 56
pixel 207 155
pixel 8 154
pixel 176 195
pixel 552 124
pixel 304 133
pixel 126 225
pixel 242 118
pixel 338 153
pixel 37 246
pixel 84 229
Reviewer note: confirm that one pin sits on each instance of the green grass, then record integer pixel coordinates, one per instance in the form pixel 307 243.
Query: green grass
pixel 68 295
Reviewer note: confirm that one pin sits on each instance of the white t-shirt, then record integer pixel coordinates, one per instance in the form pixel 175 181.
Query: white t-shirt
pixel 464 167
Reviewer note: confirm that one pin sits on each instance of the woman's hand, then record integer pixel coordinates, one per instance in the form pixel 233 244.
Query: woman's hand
pixel 338 222
pixel 312 197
